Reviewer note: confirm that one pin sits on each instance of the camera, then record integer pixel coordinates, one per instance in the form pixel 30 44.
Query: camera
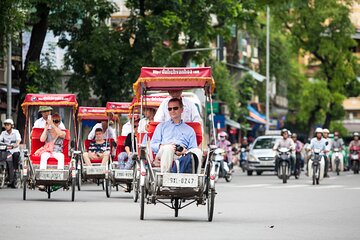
pixel 179 148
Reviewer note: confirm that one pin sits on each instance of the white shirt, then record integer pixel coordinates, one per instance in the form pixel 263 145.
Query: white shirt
pixel 41 122
pixel 10 139
pixel 109 133
pixel 190 113
pixel 142 125
pixel 126 129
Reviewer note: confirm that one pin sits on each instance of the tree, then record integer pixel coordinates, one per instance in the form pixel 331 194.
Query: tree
pixel 322 29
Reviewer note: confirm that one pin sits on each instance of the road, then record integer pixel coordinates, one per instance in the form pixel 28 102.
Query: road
pixel 250 207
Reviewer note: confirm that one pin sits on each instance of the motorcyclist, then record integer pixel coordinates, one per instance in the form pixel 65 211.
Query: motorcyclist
pixel 285 142
pixel 326 133
pixel 337 143
pixel 354 143
pixel 11 137
pixel 298 148
pixel 226 145
pixel 318 142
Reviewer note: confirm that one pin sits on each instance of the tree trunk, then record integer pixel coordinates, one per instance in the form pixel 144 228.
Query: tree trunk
pixel 312 120
pixel 328 116
pixel 38 34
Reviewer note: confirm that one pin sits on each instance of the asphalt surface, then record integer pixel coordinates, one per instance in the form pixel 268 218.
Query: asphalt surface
pixel 249 207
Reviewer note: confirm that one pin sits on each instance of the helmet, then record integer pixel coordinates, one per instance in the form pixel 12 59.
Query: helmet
pixel 325 130
pixel 294 135
pixel 222 134
pixel 284 130
pixel 9 121
pixel 318 130
pixel 355 134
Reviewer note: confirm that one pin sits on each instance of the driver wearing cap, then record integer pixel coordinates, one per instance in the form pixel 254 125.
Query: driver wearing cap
pixel 45 111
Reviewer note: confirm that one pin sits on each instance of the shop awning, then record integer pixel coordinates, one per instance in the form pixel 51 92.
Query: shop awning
pixel 254 114
pixel 232 123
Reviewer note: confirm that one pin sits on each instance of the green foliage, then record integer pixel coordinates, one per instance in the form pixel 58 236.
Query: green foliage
pixel 338 126
pixel 45 76
pixel 245 89
pixel 323 29
pixel 225 88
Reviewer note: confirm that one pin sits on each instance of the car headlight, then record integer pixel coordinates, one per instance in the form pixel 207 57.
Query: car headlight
pixel 252 158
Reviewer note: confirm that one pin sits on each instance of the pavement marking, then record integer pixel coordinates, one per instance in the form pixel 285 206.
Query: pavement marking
pixel 253 186
pixel 354 188
pixel 330 186
pixel 288 186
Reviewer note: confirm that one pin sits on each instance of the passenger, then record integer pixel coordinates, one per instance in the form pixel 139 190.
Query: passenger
pixel 45 111
pixel 108 132
pixel 149 117
pixel 337 143
pixel 298 149
pixel 98 149
pixel 190 112
pixel 328 147
pixel 53 137
pixel 11 137
pixel 126 128
pixel 226 145
pixel 129 151
pixel 172 132
pixel 354 143
pixel 318 142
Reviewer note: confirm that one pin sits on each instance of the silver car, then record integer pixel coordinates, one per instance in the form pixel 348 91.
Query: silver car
pixel 261 156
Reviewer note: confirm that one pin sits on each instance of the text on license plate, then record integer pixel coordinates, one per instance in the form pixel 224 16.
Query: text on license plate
pixel 125 174
pixel 180 180
pixel 49 175
pixel 95 170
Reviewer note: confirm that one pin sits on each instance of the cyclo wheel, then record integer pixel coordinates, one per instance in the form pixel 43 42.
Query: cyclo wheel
pixel 135 184
pixel 210 204
pixel 284 176
pixel 3 175
pixel 176 206
pixel 108 187
pixel 79 176
pixel 73 186
pixel 142 202
pixel 24 187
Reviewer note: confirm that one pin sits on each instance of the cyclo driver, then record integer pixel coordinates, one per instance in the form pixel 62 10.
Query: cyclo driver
pixel 285 142
pixel 174 138
pixel 11 137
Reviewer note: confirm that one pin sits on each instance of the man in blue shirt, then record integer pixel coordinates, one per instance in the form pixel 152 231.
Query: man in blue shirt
pixel 171 133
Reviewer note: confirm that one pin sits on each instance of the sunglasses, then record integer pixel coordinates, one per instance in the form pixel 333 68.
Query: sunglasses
pixel 173 108
pixel 56 121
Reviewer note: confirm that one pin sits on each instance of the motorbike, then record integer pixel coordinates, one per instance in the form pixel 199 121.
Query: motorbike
pixel 336 162
pixel 316 166
pixel 354 158
pixel 284 165
pixel 4 159
pixel 222 169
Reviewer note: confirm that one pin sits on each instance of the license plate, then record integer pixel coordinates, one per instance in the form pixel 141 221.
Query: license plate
pixel 180 180
pixel 51 175
pixel 124 174
pixel 95 170
pixel 355 157
pixel 267 163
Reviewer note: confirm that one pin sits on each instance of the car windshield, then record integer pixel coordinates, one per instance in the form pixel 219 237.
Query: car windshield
pixel 264 143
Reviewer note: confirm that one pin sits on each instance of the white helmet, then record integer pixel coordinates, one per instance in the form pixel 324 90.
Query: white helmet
pixel 9 121
pixel 325 130
pixel 318 130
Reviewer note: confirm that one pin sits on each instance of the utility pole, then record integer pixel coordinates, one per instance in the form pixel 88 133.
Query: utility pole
pixel 9 82
pixel 267 67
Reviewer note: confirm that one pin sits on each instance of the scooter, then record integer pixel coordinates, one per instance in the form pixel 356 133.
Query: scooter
pixel 284 166
pixel 5 157
pixel 336 162
pixel 222 169
pixel 316 166
pixel 354 158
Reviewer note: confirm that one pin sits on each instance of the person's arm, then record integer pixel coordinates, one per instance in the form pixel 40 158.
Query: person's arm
pixel 43 134
pixel 2 137
pixel 156 139
pixel 276 145
pixel 18 139
pixel 59 132
pixel 160 114
pixel 195 115
pixel 91 135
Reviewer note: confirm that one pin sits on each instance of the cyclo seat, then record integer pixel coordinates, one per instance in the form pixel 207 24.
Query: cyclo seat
pixel 87 145
pixel 36 144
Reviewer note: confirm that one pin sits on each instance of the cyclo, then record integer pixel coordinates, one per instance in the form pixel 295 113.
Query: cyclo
pixel 95 172
pixel 148 102
pixel 176 188
pixel 49 179
pixel 116 177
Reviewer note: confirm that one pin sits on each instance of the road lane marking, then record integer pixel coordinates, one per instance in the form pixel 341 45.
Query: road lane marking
pixel 354 188
pixel 288 186
pixel 330 186
pixel 253 186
